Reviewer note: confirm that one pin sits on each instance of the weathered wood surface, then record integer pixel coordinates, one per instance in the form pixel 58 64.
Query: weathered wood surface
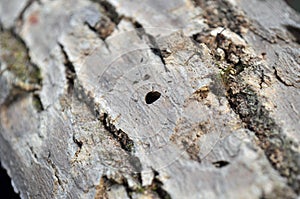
pixel 150 99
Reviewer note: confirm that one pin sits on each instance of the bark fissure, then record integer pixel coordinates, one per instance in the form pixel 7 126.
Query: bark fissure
pixel 32 152
pixel 29 3
pixel 120 136
pixel 107 23
pixel 55 172
pixel 37 103
pixel 150 40
pixel 109 10
pixel 280 79
pixel 79 145
pixel 126 143
pixel 157 186
pixel 277 147
pixel 245 102
pixel 69 70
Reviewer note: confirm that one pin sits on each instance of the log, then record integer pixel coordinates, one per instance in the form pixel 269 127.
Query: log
pixel 150 99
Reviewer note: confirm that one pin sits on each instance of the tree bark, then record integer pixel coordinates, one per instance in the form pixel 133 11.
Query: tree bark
pixel 150 99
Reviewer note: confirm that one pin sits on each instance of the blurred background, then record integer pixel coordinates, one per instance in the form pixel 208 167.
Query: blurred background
pixel 295 4
pixel 6 189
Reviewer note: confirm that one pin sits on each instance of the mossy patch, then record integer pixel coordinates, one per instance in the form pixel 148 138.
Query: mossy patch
pixel 14 53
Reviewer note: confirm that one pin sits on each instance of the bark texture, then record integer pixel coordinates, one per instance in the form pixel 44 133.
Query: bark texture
pixel 150 99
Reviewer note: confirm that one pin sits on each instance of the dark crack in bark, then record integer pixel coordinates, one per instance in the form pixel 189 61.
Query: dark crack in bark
pixel 37 103
pixel 69 70
pixel 220 163
pixel 109 10
pixel 246 103
pixel 126 143
pixel 157 186
pixel 21 15
pixel 278 149
pixel 104 27
pixel 279 78
pixel 55 172
pixel 107 23
pixel 79 144
pixel 120 136
pixel 150 40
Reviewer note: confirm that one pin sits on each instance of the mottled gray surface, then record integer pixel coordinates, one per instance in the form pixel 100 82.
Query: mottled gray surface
pixel 11 10
pixel 95 136
pixel 282 58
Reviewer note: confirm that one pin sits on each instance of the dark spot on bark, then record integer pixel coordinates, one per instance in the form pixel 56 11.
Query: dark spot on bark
pixel 146 77
pixel 220 164
pixel 152 97
pixel 37 103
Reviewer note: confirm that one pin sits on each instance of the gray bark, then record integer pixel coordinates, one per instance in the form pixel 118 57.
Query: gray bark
pixel 150 99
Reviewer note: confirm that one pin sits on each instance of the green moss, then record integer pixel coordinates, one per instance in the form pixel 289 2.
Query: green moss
pixel 225 75
pixel 14 54
pixel 130 146
pixel 141 189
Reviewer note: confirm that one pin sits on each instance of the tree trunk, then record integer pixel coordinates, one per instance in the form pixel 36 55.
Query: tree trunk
pixel 151 99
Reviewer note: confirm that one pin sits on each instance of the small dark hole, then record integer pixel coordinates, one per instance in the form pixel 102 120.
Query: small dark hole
pixel 221 163
pixel 152 97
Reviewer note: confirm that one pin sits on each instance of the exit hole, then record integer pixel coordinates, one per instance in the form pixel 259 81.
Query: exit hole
pixel 152 97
